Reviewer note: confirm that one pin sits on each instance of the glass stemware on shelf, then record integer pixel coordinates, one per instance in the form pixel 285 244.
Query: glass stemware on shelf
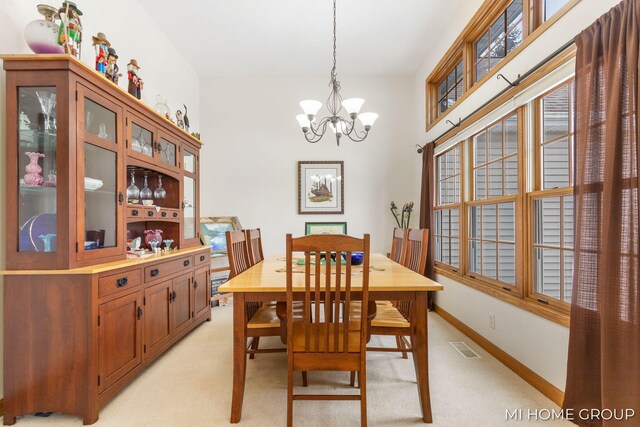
pixel 47 105
pixel 146 192
pixel 160 193
pixel 133 192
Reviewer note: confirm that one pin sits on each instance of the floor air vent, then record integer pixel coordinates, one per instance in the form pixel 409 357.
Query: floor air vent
pixel 464 350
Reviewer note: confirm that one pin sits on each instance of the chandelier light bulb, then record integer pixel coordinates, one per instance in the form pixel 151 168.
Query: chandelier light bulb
pixel 310 107
pixel 303 121
pixel 353 106
pixel 367 120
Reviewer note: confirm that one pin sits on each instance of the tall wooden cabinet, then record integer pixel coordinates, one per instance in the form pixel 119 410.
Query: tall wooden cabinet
pixel 81 319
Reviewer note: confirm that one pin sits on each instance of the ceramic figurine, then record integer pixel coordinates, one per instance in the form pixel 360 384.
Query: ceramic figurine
pixel 196 135
pixel 186 119
pixel 135 82
pixel 24 121
pixel 179 119
pixel 168 117
pixel 101 44
pixel 70 31
pixel 112 71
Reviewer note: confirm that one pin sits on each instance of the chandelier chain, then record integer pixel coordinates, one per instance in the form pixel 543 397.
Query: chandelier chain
pixel 333 70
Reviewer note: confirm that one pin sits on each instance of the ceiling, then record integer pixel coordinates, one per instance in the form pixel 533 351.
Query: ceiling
pixel 294 37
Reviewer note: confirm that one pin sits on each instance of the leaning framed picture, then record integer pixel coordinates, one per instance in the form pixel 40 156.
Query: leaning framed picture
pixel 325 228
pixel 213 231
pixel 321 187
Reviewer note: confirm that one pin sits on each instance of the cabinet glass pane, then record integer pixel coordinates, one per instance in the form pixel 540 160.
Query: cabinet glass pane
pixel 99 121
pixel 141 140
pixel 168 152
pixel 100 205
pixel 37 146
pixel 189 162
pixel 189 208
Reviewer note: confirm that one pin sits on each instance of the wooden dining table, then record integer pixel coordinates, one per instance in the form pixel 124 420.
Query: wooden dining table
pixel 388 280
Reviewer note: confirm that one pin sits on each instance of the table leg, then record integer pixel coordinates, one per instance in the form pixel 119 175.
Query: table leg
pixel 239 356
pixel 421 353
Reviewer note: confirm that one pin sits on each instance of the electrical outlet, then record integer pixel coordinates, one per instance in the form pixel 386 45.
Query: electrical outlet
pixel 492 320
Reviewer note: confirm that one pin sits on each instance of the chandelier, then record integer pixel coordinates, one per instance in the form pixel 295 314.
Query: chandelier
pixel 313 132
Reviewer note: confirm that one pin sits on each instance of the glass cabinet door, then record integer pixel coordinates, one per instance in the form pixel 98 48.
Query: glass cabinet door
pixel 190 193
pixel 140 138
pixel 168 152
pixel 37 147
pixel 100 198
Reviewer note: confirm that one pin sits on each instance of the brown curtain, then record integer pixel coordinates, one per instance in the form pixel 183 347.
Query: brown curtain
pixel 603 371
pixel 426 207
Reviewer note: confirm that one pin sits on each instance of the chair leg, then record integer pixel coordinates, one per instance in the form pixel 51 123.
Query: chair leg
pixel 290 398
pixel 304 379
pixel 254 346
pixel 401 346
pixel 362 382
pixel 352 380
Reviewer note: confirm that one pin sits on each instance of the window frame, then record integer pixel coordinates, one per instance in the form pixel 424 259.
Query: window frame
pixel 464 48
pixel 540 193
pixel 442 207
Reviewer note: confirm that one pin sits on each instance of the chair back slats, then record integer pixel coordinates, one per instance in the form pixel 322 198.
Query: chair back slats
pixel 254 245
pixel 398 244
pixel 238 252
pixel 417 243
pixel 328 294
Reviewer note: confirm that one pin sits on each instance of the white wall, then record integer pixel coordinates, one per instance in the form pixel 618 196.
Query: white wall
pixel 253 143
pixel 134 35
pixel 536 342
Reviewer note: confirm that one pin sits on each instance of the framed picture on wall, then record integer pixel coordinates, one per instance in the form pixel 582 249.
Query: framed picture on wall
pixel 325 228
pixel 321 187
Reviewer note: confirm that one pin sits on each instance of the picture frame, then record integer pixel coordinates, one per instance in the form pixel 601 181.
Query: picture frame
pixel 325 228
pixel 320 187
pixel 213 231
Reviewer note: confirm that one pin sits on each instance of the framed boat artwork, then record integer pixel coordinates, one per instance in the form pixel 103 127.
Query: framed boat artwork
pixel 321 187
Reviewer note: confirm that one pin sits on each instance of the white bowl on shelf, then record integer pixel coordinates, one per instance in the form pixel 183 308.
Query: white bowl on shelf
pixel 92 184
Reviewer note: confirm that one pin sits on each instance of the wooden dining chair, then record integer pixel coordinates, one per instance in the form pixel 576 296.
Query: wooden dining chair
pixel 262 320
pixel 328 337
pixel 254 244
pixel 395 318
pixel 398 244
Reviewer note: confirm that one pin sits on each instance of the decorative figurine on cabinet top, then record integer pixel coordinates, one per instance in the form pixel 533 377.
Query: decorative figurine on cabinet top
pixel 179 119
pixel 42 34
pixel 70 31
pixel 135 82
pixel 186 119
pixel 101 44
pixel 112 71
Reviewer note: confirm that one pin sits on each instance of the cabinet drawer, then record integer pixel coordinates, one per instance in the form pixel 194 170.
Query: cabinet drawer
pixel 142 212
pixel 119 282
pixel 168 214
pixel 202 258
pixel 168 268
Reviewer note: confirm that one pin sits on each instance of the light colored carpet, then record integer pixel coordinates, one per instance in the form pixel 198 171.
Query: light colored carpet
pixel 191 386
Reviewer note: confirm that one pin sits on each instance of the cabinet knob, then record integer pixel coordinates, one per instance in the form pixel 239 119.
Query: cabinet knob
pixel 134 212
pixel 122 282
pixel 175 214
pixel 164 214
pixel 149 213
pixel 154 272
pixel 186 263
pixel 202 257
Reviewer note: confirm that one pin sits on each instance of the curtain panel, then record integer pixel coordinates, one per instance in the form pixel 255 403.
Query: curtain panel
pixel 603 371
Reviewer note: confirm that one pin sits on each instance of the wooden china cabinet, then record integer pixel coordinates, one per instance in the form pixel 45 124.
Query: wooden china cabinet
pixel 82 318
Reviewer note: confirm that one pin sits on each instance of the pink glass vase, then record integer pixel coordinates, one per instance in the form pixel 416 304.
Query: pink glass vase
pixel 33 177
pixel 152 235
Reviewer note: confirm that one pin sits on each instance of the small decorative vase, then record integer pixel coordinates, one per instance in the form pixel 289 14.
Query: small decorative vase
pixel 152 235
pixel 33 177
pixel 167 244
pixel 42 34
pixel 46 239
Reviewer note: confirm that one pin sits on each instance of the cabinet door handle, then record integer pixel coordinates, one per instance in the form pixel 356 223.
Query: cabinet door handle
pixel 120 197
pixel 195 284
pixel 155 272
pixel 134 212
pixel 201 258
pixel 173 296
pixel 186 263
pixel 139 312
pixel 122 282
